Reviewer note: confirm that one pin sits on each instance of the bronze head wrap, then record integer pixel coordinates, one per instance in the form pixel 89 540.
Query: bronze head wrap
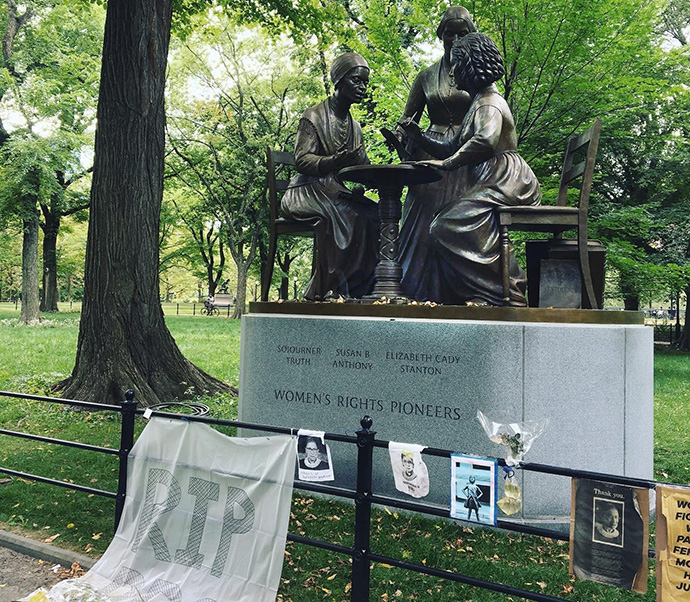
pixel 344 64
pixel 455 13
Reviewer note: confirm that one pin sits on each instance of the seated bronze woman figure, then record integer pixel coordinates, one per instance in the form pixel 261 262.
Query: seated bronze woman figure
pixel 328 139
pixel 465 232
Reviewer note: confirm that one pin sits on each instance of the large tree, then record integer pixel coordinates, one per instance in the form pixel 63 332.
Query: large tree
pixel 123 340
pixel 25 204
pixel 50 58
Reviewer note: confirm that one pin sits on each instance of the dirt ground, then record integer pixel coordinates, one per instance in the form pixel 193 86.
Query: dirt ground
pixel 21 575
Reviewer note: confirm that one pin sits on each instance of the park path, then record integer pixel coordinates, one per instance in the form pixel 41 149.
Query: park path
pixel 21 575
pixel 26 565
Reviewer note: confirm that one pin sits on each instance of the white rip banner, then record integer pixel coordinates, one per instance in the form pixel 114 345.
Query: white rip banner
pixel 205 519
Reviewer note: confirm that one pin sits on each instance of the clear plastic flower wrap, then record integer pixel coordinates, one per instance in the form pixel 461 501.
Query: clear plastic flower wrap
pixel 517 437
pixel 69 590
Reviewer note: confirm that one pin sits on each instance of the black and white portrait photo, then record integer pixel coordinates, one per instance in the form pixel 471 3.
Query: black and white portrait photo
pixel 609 533
pixel 608 522
pixel 313 458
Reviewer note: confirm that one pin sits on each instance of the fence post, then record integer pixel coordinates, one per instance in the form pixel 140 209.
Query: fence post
pixel 360 559
pixel 129 406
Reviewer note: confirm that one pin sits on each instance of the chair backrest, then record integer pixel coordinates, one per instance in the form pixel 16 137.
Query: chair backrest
pixel 584 169
pixel 275 159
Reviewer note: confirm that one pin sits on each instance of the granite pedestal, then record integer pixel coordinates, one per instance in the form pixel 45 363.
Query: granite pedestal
pixel 422 373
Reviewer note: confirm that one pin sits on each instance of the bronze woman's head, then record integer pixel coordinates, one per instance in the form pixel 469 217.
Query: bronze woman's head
pixel 455 13
pixel 345 63
pixel 350 77
pixel 476 61
pixel 455 23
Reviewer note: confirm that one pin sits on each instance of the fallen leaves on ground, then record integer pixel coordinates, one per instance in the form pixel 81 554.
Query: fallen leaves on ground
pixel 73 572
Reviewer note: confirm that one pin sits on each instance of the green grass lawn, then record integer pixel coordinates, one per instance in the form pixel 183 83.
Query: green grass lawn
pixel 33 358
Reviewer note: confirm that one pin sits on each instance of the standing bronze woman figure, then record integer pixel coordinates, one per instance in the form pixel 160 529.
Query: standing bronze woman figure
pixel 465 232
pixel 446 107
pixel 328 139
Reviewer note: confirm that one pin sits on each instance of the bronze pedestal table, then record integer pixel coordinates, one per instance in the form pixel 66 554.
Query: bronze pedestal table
pixel 389 180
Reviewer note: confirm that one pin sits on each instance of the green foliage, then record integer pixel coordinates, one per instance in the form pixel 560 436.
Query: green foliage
pixel 56 66
pixel 234 94
pixel 29 171
pixel 49 76
pixel 10 265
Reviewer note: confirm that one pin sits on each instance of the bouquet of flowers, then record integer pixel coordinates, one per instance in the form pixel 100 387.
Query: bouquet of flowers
pixel 517 438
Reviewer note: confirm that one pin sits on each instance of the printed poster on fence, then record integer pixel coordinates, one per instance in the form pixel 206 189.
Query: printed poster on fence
pixel 672 543
pixel 409 470
pixel 205 518
pixel 473 486
pixel 314 462
pixel 609 532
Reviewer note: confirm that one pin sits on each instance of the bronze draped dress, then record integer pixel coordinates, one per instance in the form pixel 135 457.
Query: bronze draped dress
pixel 465 232
pixel 348 227
pixel 446 107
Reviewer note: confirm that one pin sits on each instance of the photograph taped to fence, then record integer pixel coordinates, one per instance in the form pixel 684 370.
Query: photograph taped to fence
pixel 609 533
pixel 409 470
pixel 473 486
pixel 313 457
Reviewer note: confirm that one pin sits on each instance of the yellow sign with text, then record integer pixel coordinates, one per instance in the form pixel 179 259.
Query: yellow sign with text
pixel 673 544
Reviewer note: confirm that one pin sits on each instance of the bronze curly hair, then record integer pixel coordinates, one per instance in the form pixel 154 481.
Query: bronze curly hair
pixel 476 61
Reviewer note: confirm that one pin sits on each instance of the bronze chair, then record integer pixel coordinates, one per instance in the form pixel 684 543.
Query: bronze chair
pixel 279 225
pixel 558 218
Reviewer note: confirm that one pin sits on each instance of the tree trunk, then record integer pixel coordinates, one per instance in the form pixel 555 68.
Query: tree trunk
pixel 49 301
pixel 631 302
pixel 241 292
pixel 123 340
pixel 684 341
pixel 243 264
pixel 30 305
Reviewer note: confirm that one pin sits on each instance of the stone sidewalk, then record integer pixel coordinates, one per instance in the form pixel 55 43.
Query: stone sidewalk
pixel 26 565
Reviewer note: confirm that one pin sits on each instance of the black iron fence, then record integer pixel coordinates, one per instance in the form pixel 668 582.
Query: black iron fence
pixel 362 495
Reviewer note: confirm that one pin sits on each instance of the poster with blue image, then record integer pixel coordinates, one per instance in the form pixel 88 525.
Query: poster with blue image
pixel 473 486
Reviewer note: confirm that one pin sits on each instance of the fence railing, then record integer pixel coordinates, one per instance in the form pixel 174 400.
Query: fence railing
pixel 362 495
pixel 170 308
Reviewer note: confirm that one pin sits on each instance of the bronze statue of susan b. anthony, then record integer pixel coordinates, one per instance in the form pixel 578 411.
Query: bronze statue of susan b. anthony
pixel 465 232
pixel 329 139
pixel 433 90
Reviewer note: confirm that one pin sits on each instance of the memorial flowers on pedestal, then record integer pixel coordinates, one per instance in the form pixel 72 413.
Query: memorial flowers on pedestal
pixel 517 438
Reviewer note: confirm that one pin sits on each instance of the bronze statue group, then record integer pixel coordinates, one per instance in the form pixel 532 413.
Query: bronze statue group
pixel 449 238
